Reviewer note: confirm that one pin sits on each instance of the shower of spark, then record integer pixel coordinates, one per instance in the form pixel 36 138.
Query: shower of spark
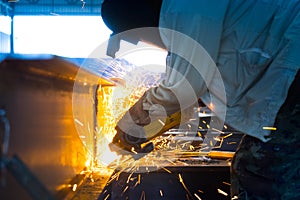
pixel 129 84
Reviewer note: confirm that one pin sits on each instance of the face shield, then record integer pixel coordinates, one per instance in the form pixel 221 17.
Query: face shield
pixel 124 15
pixel 147 35
pixel 115 39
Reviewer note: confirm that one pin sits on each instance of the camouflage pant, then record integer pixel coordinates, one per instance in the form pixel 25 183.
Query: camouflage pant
pixel 271 170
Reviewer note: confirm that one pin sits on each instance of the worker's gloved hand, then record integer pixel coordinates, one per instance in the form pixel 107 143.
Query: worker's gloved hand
pixel 130 132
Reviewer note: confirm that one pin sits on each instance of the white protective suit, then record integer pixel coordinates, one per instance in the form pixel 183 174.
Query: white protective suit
pixel 255 45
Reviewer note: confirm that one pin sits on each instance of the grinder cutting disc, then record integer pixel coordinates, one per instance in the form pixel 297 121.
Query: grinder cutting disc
pixel 138 142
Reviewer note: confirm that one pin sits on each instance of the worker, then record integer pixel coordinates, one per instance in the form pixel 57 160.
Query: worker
pixel 255 45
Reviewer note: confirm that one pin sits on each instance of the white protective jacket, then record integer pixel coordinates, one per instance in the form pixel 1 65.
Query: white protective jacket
pixel 256 48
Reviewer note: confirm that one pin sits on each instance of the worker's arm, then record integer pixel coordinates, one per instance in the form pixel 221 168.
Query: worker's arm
pixel 178 91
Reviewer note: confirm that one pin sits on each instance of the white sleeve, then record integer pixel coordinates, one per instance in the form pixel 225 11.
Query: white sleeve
pixel 180 89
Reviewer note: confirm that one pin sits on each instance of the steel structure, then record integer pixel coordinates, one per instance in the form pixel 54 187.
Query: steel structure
pixel 50 7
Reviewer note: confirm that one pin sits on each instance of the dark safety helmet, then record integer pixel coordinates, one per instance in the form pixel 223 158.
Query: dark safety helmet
pixel 123 15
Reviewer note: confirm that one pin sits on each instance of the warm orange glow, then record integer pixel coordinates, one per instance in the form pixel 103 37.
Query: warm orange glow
pixel 211 106
pixel 114 101
pixel 74 188
pixel 106 124
pixel 88 162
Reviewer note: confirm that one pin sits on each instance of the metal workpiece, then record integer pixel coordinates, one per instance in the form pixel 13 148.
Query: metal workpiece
pixel 179 168
pixel 92 185
pixel 27 180
pixel 190 180
pixel 36 93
